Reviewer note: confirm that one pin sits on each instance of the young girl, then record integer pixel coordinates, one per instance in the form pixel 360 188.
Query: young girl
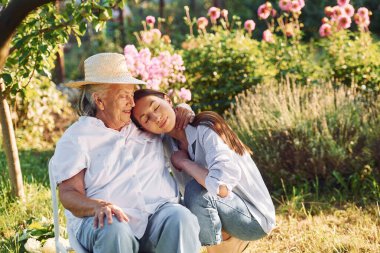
pixel 223 186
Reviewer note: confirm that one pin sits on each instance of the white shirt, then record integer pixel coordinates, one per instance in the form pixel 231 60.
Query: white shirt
pixel 238 173
pixel 126 168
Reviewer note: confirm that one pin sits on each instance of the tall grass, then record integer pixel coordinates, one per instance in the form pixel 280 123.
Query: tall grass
pixel 316 136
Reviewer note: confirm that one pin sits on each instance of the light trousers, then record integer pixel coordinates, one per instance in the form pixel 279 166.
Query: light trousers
pixel 172 228
pixel 215 213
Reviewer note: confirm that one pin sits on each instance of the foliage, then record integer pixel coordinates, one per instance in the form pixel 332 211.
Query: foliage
pixel 220 65
pixel 36 41
pixel 352 58
pixel 307 133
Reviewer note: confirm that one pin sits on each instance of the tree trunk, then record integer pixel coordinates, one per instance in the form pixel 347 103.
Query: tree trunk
pixel 123 39
pixel 162 7
pixel 10 147
pixel 10 18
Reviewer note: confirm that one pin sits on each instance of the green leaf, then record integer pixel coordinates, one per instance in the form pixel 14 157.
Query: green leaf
pixel 7 78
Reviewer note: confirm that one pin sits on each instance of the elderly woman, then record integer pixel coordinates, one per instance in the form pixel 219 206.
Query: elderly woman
pixel 113 181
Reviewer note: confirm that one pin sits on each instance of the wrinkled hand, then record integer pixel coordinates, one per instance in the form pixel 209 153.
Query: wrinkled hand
pixel 107 210
pixel 178 158
pixel 183 117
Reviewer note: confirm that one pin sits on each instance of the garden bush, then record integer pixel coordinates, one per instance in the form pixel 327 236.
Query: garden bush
pixel 41 114
pixel 301 134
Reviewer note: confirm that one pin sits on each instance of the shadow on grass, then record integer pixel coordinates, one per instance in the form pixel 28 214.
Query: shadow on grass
pixel 34 166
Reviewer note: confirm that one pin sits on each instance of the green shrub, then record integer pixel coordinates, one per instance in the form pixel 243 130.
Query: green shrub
pixel 221 65
pixel 41 114
pixel 301 134
pixel 352 58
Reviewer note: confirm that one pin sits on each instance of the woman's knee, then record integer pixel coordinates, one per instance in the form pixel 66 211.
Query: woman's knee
pixel 115 230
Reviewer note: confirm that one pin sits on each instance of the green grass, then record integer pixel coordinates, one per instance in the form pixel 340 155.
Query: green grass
pixel 309 219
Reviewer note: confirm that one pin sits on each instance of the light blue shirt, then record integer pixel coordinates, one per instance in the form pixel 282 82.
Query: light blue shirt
pixel 239 173
pixel 125 168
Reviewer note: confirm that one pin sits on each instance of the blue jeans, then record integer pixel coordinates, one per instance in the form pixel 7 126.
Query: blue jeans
pixel 172 228
pixel 215 213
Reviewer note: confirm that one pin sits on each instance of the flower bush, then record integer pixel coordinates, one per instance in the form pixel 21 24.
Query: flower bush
pixel 157 63
pixel 351 57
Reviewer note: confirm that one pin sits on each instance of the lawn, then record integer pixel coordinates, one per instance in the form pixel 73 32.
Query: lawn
pixel 302 226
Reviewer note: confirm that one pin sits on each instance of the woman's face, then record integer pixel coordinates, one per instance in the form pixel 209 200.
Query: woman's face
pixel 154 114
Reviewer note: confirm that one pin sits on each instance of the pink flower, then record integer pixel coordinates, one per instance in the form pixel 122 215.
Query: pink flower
pixel 268 36
pixel 263 12
pixel 150 20
pixel 214 13
pixel 349 10
pixel 344 22
pixel 285 5
pixel 224 13
pixel 363 11
pixel 325 30
pixel 325 20
pixel 361 21
pixel 302 3
pixel 337 11
pixel 343 2
pixel 185 94
pixel 202 22
pixel 249 25
pixel 328 11
pixel 295 6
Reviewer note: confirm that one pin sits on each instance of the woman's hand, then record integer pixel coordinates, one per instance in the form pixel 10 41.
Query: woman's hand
pixel 107 210
pixel 183 117
pixel 178 159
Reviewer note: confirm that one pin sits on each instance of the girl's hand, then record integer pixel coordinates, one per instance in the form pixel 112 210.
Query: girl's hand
pixel 179 158
pixel 183 117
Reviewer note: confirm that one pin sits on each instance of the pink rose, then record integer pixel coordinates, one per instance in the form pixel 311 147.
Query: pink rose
pixel 343 2
pixel 150 20
pixel 202 22
pixel 285 5
pixel 344 22
pixel 295 6
pixel 363 11
pixel 249 25
pixel 268 36
pixel 325 30
pixel 263 12
pixel 214 13
pixel 349 10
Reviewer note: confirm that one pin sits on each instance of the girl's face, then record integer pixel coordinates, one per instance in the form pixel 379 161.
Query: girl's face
pixel 154 114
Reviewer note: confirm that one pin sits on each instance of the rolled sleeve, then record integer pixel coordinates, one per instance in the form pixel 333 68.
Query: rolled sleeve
pixel 220 163
pixel 68 160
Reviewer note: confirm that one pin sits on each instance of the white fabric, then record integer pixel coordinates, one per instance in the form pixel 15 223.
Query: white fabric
pixel 126 168
pixel 238 173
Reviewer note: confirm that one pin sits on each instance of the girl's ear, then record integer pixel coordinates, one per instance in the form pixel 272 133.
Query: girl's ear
pixel 167 99
pixel 98 101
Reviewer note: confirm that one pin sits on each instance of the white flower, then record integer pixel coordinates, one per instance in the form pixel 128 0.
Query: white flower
pixel 32 245
pixel 49 246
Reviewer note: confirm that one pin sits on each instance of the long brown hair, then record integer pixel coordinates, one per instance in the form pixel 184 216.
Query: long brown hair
pixel 214 121
pixel 207 118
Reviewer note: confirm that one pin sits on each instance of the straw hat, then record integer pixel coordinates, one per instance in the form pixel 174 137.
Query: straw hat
pixel 106 68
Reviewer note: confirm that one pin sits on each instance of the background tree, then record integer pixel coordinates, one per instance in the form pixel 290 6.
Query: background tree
pixel 31 34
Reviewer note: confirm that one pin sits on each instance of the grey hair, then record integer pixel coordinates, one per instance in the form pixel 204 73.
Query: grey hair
pixel 86 103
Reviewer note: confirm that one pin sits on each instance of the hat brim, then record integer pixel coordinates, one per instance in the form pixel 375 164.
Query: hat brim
pixel 128 80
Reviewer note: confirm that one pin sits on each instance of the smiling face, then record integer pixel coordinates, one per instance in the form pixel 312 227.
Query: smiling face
pixel 154 114
pixel 114 105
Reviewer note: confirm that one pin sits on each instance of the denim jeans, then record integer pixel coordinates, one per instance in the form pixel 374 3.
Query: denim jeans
pixel 215 213
pixel 172 228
